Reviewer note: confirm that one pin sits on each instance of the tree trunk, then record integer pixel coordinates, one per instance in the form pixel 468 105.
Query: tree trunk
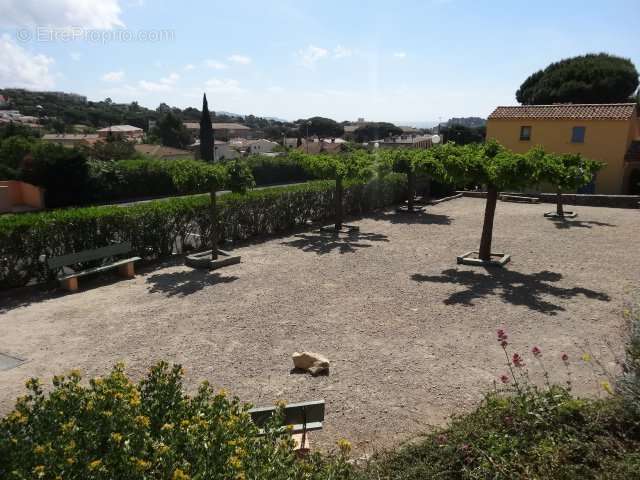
pixel 487 227
pixel 411 187
pixel 559 207
pixel 214 225
pixel 339 213
pixel 427 190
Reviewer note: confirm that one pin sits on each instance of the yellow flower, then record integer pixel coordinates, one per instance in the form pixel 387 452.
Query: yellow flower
pixel 344 445
pixel 71 460
pixel 235 462
pixel 142 465
pixel 39 470
pixel 135 399
pixel 75 373
pixel 184 423
pixel 586 357
pixel 161 448
pixel 167 427
pixel 97 381
pixel 606 387
pixel 39 450
pixel 68 426
pixel 222 393
pixel 95 465
pixel 143 421
pixel 116 437
pixel 180 475
pixel 17 417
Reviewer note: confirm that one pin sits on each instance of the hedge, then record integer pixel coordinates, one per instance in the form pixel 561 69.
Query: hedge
pixel 156 229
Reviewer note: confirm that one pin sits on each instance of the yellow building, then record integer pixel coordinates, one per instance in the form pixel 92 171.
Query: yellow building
pixel 609 133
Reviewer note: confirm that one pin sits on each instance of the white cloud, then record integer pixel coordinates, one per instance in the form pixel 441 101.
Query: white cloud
pixel 113 76
pixel 189 66
pixel 310 55
pixel 241 59
pixel 147 86
pixel 75 56
pixel 215 64
pixel 171 79
pixel 21 68
pixel 400 54
pixel 228 85
pixel 103 15
pixel 342 52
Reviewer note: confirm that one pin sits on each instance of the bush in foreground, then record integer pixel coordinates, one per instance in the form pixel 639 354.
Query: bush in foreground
pixel 116 429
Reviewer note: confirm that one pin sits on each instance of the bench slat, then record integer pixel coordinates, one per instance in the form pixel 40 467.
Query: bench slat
pixel 294 414
pixel 102 268
pixel 89 255
pixel 298 428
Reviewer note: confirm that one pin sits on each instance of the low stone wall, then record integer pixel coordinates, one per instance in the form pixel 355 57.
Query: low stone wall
pixel 613 201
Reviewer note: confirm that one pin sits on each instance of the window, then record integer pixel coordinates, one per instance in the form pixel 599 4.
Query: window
pixel 525 133
pixel 577 135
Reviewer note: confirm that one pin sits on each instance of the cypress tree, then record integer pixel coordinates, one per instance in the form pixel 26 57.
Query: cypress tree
pixel 206 132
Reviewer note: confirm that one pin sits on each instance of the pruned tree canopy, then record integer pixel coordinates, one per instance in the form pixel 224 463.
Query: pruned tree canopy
pixel 322 127
pixel 592 78
pixel 375 131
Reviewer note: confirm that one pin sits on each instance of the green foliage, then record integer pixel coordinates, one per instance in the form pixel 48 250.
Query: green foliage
pixel 240 177
pixel 566 171
pixel 276 170
pixel 13 151
pixel 172 132
pixel 592 78
pixel 322 127
pixel 111 150
pixel 461 135
pixel 375 131
pixel 114 428
pixel 356 164
pixel 154 228
pixel 61 171
pixel 206 133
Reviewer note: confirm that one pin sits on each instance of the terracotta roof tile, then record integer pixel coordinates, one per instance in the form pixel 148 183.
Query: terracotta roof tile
pixel 600 111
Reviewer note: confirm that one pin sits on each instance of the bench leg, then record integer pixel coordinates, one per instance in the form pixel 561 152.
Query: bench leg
pixel 299 448
pixel 126 270
pixel 70 284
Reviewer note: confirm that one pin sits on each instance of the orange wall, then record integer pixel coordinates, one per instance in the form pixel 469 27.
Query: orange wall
pixel 14 193
pixel 605 140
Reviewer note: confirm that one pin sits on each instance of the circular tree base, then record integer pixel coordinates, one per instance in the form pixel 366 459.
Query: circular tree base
pixel 343 229
pixel 471 258
pixel 203 260
pixel 565 215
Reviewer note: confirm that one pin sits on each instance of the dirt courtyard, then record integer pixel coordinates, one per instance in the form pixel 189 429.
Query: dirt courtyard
pixel 410 334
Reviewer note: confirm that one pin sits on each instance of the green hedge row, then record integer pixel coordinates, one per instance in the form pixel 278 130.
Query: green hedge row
pixel 156 229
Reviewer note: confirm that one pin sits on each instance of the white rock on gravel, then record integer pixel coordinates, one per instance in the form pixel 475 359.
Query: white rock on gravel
pixel 312 362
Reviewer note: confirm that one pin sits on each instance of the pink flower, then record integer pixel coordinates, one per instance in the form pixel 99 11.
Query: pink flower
pixel 502 338
pixel 536 352
pixel 504 378
pixel 565 357
pixel 518 360
pixel 441 439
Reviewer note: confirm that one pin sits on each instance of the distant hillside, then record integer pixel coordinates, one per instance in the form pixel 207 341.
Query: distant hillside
pixel 59 111
pixel 469 122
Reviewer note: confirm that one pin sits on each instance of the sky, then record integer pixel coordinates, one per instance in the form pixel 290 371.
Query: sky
pixel 411 61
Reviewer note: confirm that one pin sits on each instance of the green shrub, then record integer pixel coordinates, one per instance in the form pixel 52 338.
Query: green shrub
pixel 629 385
pixel 155 229
pixel 276 170
pixel 240 177
pixel 114 428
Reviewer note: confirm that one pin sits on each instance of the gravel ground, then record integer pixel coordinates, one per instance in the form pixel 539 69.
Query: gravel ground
pixel 411 335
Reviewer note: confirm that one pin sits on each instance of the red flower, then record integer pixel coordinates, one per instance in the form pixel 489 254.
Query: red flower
pixel 565 357
pixel 504 378
pixel 518 360
pixel 536 352
pixel 502 338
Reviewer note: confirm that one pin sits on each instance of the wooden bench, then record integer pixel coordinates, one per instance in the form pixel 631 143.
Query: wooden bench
pixel 519 199
pixel 299 419
pixel 70 281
